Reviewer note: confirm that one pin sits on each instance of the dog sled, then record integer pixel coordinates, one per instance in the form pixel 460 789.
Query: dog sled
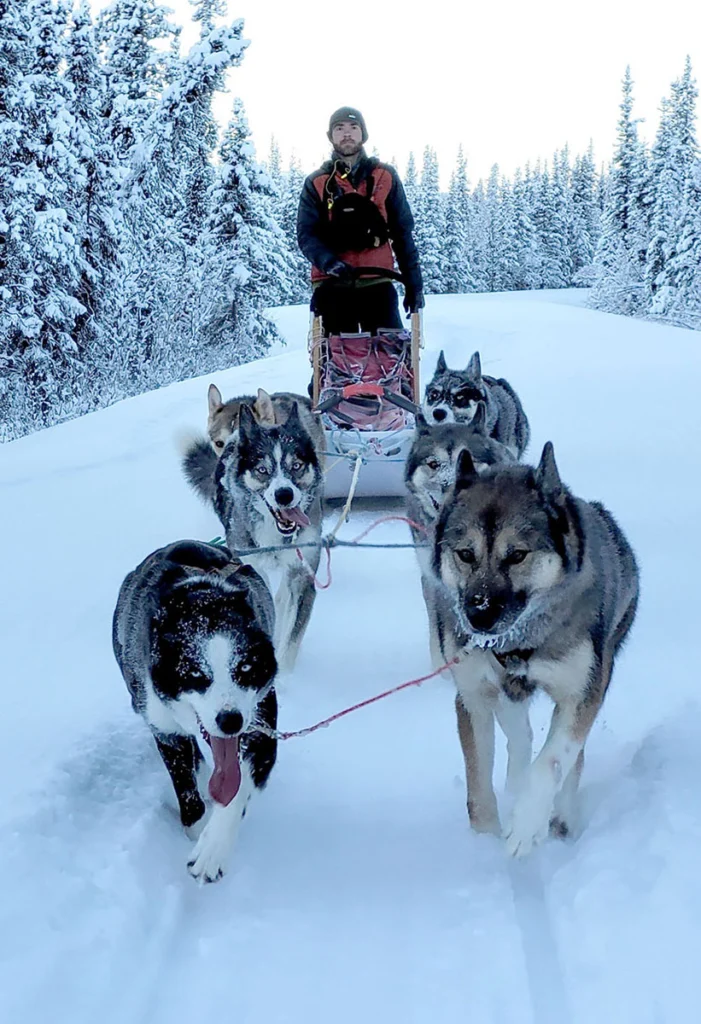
pixel 367 389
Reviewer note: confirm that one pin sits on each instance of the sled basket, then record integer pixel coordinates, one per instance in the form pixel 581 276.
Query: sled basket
pixel 366 386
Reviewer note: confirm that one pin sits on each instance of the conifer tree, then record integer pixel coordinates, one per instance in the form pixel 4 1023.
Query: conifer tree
pixel 620 255
pixel 457 273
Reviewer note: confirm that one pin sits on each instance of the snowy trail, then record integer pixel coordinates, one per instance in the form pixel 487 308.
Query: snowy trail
pixel 357 890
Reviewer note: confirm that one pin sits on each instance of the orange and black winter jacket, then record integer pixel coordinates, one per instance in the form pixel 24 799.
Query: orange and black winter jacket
pixel 390 199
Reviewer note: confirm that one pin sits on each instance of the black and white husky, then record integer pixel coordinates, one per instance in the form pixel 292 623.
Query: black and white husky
pixel 453 396
pixel 267 490
pixel 192 636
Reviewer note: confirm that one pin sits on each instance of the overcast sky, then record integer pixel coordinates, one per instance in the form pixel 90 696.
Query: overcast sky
pixel 512 81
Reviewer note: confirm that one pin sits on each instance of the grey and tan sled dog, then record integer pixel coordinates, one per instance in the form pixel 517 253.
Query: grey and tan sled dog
pixel 453 396
pixel 267 489
pixel 539 590
pixel 429 475
pixel 269 410
pixel 192 634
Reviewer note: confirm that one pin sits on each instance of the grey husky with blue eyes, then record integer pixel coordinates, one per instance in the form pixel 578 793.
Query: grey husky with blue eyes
pixel 267 489
pixel 539 591
pixel 453 396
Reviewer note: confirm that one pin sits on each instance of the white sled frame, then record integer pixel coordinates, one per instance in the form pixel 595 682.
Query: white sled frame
pixel 383 452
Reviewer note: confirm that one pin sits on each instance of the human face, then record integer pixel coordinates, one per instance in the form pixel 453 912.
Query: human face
pixel 347 138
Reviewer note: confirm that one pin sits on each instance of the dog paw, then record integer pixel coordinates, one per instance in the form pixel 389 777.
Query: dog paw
pixel 209 859
pixel 483 820
pixel 559 828
pixel 528 828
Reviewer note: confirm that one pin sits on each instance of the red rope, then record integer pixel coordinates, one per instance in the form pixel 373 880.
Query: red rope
pixel 388 519
pixel 307 566
pixel 364 703
pixel 356 540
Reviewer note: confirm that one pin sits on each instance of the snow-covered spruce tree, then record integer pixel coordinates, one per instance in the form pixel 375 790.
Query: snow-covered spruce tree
pixel 430 225
pixel 99 222
pixel 167 262
pixel 134 37
pixel 586 218
pixel 491 227
pixel 245 254
pixel 674 154
pixel 684 269
pixel 457 275
pixel 43 258
pixel 290 191
pixel 411 185
pixel 559 237
pixel 620 255
pixel 526 239
pixel 506 257
pixel 15 53
pixel 477 238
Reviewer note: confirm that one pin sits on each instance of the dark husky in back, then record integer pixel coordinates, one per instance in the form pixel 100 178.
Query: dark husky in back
pixel 192 634
pixel 454 395
pixel 540 590
pixel 429 475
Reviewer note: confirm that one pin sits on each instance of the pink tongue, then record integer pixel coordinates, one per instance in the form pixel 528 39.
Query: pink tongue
pixel 226 777
pixel 295 515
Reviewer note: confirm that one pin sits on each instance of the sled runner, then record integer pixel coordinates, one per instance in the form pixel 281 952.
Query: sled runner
pixel 367 388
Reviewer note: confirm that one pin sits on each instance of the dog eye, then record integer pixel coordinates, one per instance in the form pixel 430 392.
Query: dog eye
pixel 218 444
pixel 466 555
pixel 432 395
pixel 515 557
pixel 198 680
pixel 245 668
pixel 262 469
pixel 296 466
pixel 433 464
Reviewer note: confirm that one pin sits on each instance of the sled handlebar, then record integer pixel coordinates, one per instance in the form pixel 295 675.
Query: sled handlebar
pixel 356 273
pixel 367 391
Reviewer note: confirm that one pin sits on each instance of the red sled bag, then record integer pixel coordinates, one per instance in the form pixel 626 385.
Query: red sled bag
pixel 355 359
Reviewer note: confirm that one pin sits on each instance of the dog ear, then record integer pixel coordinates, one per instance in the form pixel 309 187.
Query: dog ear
pixel 479 420
pixel 547 476
pixel 474 367
pixel 293 419
pixel 422 426
pixel 264 409
pixel 441 365
pixel 214 399
pixel 465 472
pixel 247 422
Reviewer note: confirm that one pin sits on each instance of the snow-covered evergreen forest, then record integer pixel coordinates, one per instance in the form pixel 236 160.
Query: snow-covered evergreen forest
pixel 140 244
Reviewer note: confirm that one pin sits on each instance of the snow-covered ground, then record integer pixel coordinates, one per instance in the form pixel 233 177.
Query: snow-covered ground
pixel 357 892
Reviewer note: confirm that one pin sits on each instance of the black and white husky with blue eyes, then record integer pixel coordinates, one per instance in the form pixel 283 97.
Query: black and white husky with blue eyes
pixel 192 635
pixel 267 490
pixel 453 396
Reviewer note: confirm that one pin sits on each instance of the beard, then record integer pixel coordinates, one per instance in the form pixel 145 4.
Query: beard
pixel 348 147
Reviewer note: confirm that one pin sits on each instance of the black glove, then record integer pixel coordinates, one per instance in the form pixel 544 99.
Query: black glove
pixel 340 270
pixel 413 301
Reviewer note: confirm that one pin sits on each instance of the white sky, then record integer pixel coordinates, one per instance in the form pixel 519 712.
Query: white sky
pixel 512 81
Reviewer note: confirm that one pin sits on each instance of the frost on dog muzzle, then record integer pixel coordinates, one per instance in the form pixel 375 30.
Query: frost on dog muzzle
pixel 226 777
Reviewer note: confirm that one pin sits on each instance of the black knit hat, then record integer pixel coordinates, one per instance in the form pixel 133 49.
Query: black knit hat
pixel 347 114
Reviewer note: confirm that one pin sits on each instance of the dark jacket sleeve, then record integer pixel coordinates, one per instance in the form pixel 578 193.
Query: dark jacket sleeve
pixel 311 222
pixel 401 227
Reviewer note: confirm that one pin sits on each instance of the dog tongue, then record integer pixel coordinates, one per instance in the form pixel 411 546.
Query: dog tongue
pixel 226 777
pixel 295 515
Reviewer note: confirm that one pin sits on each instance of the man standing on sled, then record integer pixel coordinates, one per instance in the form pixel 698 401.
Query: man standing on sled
pixel 353 214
